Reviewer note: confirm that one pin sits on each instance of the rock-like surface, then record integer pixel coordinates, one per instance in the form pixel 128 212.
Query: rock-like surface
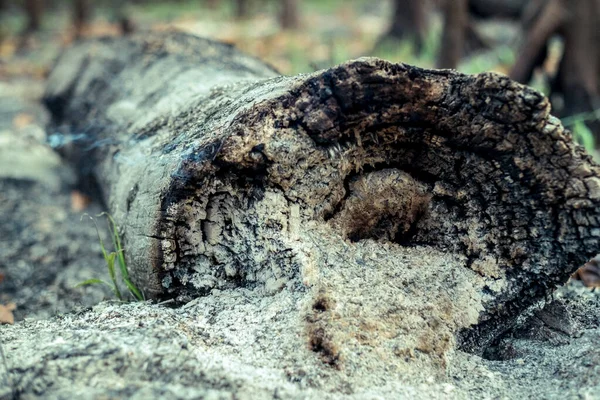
pixel 240 344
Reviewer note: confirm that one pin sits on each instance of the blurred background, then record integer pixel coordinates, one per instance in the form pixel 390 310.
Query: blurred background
pixel 552 45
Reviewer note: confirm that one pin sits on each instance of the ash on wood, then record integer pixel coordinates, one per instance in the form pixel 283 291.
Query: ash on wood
pixel 421 206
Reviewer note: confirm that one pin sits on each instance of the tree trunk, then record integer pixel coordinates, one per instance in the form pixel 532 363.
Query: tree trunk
pixel 456 20
pixel 461 192
pixel 459 37
pixel 122 17
pixel 34 10
pixel 82 11
pixel 577 79
pixel 211 4
pixel 409 22
pixel 289 16
pixel 242 9
pixel 512 9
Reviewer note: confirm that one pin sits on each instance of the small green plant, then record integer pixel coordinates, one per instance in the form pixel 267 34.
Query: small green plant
pixel 581 133
pixel 110 259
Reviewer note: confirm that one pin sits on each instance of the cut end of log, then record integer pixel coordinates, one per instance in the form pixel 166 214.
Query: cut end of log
pixel 448 202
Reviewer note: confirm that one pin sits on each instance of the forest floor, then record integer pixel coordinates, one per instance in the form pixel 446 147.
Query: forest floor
pixel 66 342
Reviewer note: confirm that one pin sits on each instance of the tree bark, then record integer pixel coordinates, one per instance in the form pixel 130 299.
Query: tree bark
pixel 223 174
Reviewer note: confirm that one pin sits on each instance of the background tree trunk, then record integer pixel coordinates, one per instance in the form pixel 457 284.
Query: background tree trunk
pixel 456 20
pixel 34 10
pixel 242 9
pixel 82 12
pixel 289 15
pixel 512 9
pixel 211 4
pixel 222 174
pixel 409 22
pixel 577 79
pixel 459 37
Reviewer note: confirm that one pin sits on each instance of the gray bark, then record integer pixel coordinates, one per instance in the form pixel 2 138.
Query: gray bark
pixel 450 204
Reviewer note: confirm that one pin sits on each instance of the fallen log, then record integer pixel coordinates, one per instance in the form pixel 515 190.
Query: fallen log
pixel 413 206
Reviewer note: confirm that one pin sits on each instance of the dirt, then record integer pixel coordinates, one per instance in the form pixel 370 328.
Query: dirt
pixel 46 249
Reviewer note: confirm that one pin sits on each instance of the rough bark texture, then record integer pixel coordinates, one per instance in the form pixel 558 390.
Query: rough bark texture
pixel 450 204
pixel 577 81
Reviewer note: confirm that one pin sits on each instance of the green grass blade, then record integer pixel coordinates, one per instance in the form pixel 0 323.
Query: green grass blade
pixel 92 281
pixel 108 258
pixel 134 290
pixel 116 256
pixel 116 239
pixel 96 281
pixel 110 261
pixel 97 233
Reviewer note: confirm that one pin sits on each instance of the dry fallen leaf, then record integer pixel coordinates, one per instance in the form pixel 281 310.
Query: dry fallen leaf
pixel 6 315
pixel 79 201
pixel 21 120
